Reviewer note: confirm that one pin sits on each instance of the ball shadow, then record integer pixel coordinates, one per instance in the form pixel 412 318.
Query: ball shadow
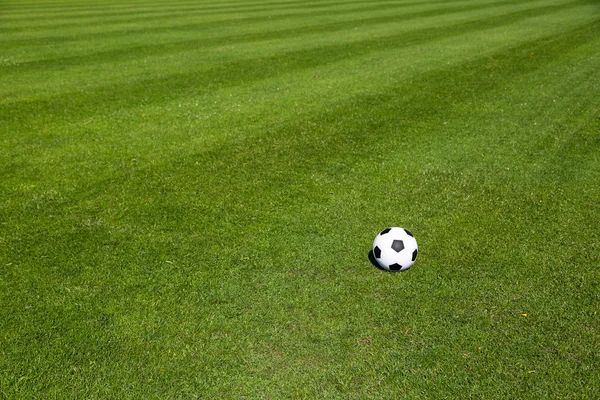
pixel 374 262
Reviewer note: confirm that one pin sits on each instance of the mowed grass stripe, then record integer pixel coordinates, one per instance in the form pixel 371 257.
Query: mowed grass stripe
pixel 60 20
pixel 508 67
pixel 256 32
pixel 239 269
pixel 195 38
pixel 68 148
pixel 264 156
pixel 204 117
pixel 194 22
pixel 63 7
pixel 120 95
pixel 167 194
pixel 183 22
pixel 499 66
pixel 51 21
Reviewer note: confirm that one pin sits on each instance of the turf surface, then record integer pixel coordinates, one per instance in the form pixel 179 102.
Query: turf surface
pixel 189 191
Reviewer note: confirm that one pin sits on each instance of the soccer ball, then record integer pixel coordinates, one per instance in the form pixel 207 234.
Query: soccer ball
pixel 395 249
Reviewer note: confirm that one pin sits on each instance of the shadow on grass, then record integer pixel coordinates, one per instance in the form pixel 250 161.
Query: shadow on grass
pixel 375 263
pixel 371 257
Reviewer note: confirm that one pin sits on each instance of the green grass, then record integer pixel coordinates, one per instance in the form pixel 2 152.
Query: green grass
pixel 189 191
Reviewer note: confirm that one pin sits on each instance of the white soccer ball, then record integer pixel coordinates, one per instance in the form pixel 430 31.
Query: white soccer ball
pixel 395 249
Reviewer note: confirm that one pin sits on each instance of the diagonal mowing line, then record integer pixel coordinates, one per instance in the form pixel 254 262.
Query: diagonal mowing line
pixel 137 15
pixel 61 7
pixel 176 47
pixel 239 21
pixel 166 88
pixel 262 151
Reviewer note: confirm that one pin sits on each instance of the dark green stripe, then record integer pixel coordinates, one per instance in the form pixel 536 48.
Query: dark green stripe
pixel 83 16
pixel 362 118
pixel 60 7
pixel 166 88
pixel 191 45
pixel 47 39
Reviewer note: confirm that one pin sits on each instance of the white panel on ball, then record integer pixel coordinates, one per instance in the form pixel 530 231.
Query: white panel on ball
pixel 395 249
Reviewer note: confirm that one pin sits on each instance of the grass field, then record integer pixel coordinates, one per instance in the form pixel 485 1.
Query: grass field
pixel 189 191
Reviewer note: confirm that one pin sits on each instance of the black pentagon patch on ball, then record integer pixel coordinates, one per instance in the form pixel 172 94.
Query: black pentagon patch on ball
pixel 414 257
pixel 383 232
pixel 408 233
pixel 398 245
pixel 395 267
pixel 377 252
